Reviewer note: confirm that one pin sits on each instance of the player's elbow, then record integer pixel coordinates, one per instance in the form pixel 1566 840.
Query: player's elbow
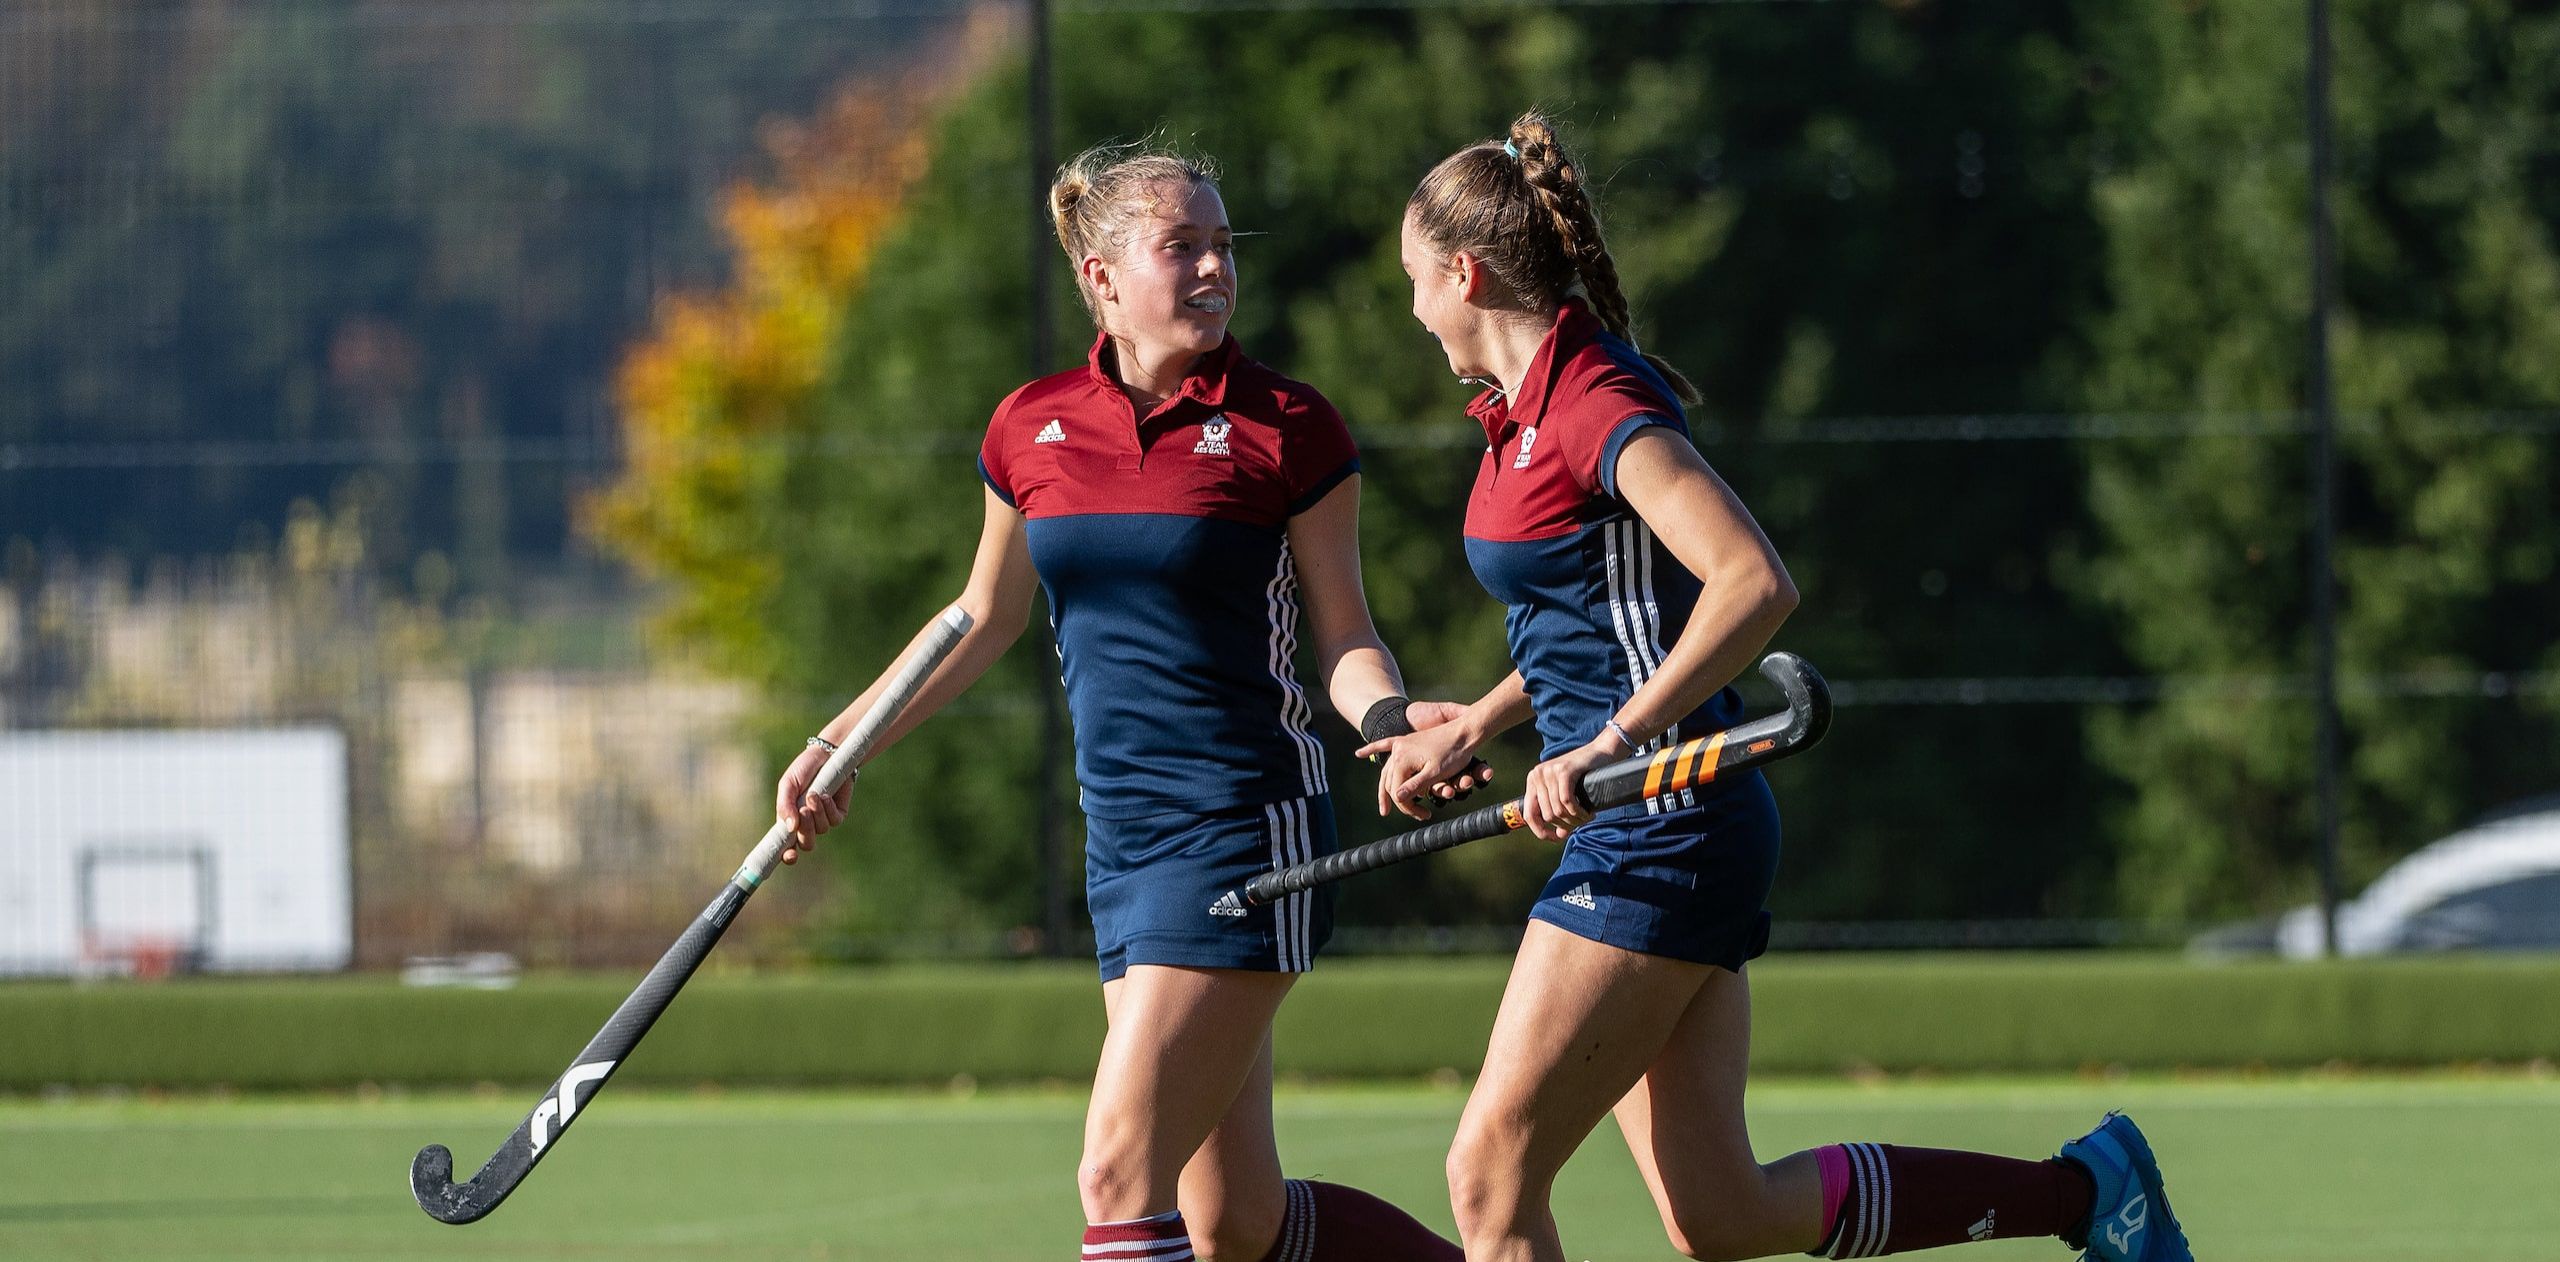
pixel 996 616
pixel 1768 592
pixel 1780 597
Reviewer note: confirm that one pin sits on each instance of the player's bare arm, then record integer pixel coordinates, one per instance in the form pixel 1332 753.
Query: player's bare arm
pixel 1744 596
pixel 998 596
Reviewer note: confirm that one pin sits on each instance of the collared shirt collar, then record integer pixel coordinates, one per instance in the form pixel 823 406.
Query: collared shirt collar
pixel 1575 328
pixel 1206 383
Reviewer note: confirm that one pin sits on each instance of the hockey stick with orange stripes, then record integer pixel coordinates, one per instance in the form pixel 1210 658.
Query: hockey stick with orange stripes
pixel 1663 775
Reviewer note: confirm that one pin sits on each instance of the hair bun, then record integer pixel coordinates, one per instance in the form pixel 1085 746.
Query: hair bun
pixel 1534 135
pixel 1070 189
pixel 1543 162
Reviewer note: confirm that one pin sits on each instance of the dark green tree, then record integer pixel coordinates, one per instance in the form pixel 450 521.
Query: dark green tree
pixel 1807 239
pixel 2449 319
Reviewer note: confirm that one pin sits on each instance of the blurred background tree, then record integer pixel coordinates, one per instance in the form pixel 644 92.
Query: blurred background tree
pixel 1998 309
pixel 1792 287
pixel 2449 327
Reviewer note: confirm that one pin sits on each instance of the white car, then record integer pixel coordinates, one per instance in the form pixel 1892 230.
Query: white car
pixel 2494 886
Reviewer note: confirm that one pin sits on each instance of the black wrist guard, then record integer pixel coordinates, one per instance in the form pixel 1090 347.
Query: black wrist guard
pixel 1385 719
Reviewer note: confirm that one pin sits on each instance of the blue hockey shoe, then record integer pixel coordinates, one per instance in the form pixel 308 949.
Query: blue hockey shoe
pixel 2130 1220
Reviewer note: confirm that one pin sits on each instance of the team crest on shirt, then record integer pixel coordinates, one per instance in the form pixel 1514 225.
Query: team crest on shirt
pixel 1213 436
pixel 1528 436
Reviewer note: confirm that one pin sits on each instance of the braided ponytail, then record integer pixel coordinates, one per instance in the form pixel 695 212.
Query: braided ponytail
pixel 1520 207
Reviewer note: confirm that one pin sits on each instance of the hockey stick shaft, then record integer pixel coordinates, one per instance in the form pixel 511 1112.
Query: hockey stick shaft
pixel 431 1174
pixel 1663 774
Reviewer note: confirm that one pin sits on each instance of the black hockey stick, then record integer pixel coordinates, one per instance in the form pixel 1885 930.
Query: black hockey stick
pixel 431 1175
pixel 1665 775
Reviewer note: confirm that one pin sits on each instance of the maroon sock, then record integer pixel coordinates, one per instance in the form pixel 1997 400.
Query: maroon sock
pixel 1895 1200
pixel 1328 1222
pixel 1161 1238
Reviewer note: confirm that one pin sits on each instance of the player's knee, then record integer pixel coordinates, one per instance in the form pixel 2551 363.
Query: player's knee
pixel 1114 1184
pixel 1486 1177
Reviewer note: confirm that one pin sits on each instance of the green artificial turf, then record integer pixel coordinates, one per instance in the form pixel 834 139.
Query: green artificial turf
pixel 2268 1170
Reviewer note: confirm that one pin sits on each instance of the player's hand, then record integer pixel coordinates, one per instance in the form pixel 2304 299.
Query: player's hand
pixel 1476 775
pixel 1430 714
pixel 808 814
pixel 1434 764
pixel 1551 798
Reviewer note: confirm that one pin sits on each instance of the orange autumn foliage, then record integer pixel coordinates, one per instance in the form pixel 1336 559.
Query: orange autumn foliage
pixel 722 388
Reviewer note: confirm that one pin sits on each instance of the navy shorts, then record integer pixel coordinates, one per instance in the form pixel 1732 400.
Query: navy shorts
pixel 1151 880
pixel 1691 883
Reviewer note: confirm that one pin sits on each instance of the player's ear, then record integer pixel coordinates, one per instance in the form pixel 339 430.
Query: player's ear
pixel 1472 276
pixel 1097 275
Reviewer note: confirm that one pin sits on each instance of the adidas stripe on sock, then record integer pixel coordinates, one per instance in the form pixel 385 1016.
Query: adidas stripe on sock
pixel 1863 1208
pixel 1881 1198
pixel 1327 1222
pixel 1159 1238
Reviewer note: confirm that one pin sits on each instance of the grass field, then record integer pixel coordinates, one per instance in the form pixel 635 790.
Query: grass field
pixel 2406 1169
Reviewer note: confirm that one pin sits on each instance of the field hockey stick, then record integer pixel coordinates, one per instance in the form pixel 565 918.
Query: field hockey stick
pixel 1662 775
pixel 431 1175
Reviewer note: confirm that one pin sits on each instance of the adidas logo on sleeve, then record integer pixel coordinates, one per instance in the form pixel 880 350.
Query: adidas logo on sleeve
pixel 1051 433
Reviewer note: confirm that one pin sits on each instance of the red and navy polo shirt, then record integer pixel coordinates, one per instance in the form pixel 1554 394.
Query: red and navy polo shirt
pixel 1595 601
pixel 1162 541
